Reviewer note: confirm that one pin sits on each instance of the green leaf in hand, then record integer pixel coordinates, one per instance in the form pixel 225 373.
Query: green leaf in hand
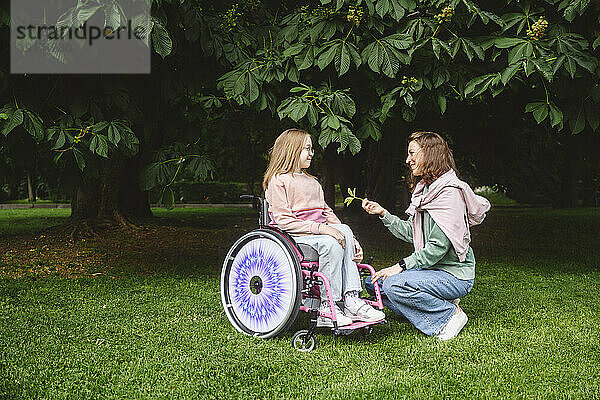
pixel 348 200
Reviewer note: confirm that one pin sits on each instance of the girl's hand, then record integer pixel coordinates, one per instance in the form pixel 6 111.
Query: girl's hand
pixel 358 252
pixel 373 207
pixel 337 235
pixel 387 272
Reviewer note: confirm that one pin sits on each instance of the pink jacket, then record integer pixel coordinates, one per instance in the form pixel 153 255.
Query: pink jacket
pixel 453 206
pixel 297 204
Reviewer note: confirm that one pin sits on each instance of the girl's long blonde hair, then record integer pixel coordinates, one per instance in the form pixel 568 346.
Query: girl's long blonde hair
pixel 284 156
pixel 437 157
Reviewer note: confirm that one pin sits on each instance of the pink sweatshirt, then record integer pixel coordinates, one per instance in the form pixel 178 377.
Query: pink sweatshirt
pixel 297 204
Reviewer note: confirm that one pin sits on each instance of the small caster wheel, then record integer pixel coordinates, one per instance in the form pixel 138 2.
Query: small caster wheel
pixel 304 342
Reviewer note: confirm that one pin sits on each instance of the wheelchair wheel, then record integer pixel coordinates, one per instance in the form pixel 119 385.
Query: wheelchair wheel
pixel 261 284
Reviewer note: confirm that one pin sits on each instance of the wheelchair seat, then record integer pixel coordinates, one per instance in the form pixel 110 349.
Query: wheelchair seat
pixel 309 253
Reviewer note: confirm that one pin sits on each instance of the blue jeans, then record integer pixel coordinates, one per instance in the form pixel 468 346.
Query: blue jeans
pixel 335 262
pixel 422 296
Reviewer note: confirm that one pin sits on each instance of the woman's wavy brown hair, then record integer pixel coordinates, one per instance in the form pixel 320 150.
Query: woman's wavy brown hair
pixel 437 157
pixel 284 156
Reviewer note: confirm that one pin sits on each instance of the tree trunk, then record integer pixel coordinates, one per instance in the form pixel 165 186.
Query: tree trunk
pixel 114 197
pixel 31 187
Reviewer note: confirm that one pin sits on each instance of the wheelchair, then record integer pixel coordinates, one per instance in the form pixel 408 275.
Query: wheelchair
pixel 267 278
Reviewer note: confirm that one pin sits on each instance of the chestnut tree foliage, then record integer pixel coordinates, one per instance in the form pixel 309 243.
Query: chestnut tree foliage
pixel 343 69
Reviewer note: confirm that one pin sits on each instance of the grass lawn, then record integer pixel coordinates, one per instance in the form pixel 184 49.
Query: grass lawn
pixel 138 315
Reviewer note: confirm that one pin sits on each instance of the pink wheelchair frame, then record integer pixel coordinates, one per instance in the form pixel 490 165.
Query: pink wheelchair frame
pixel 239 291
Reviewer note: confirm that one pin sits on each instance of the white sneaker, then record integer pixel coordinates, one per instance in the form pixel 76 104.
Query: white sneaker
pixel 359 310
pixel 454 326
pixel 322 321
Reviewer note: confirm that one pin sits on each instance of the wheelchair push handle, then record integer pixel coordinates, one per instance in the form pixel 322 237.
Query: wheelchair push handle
pixel 261 204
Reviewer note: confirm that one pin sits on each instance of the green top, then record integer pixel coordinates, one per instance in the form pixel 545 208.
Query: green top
pixel 438 252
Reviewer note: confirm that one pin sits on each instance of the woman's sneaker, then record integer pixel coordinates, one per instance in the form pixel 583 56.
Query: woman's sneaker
pixel 454 326
pixel 359 310
pixel 322 321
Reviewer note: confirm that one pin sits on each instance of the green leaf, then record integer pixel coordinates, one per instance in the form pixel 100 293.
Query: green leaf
pixel 509 72
pixel 410 5
pixel 161 40
pixel 397 10
pixel 113 134
pixel 99 126
pixel 504 43
pixel 15 119
pixel 298 111
pixel 545 68
pixel 540 113
pixel 342 58
pixel 354 143
pixel 34 125
pixel 333 122
pixel 252 90
pixel 382 7
pixel 305 59
pixel 326 57
pixel 312 115
pixel 143 25
pixel 519 52
pixel 556 115
pixel 478 85
pixel 131 142
pixel 86 13
pixel 79 158
pixel 102 148
pixel 294 49
pixel 476 48
pixel 571 66
pixel 442 103
pixel 60 140
pixel 112 18
pixel 596 43
pixel 435 45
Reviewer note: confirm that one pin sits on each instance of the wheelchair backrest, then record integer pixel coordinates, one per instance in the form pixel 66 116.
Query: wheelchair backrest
pixel 264 218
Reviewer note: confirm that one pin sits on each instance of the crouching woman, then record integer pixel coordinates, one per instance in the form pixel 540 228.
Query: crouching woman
pixel 425 287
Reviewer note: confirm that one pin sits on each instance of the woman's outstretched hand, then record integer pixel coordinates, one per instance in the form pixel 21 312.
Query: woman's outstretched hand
pixel 387 272
pixel 372 207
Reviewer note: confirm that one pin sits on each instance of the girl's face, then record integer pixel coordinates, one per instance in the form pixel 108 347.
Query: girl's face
pixel 306 154
pixel 415 158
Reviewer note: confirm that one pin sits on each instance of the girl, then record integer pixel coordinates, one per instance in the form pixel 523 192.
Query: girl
pixel 297 206
pixel 426 286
